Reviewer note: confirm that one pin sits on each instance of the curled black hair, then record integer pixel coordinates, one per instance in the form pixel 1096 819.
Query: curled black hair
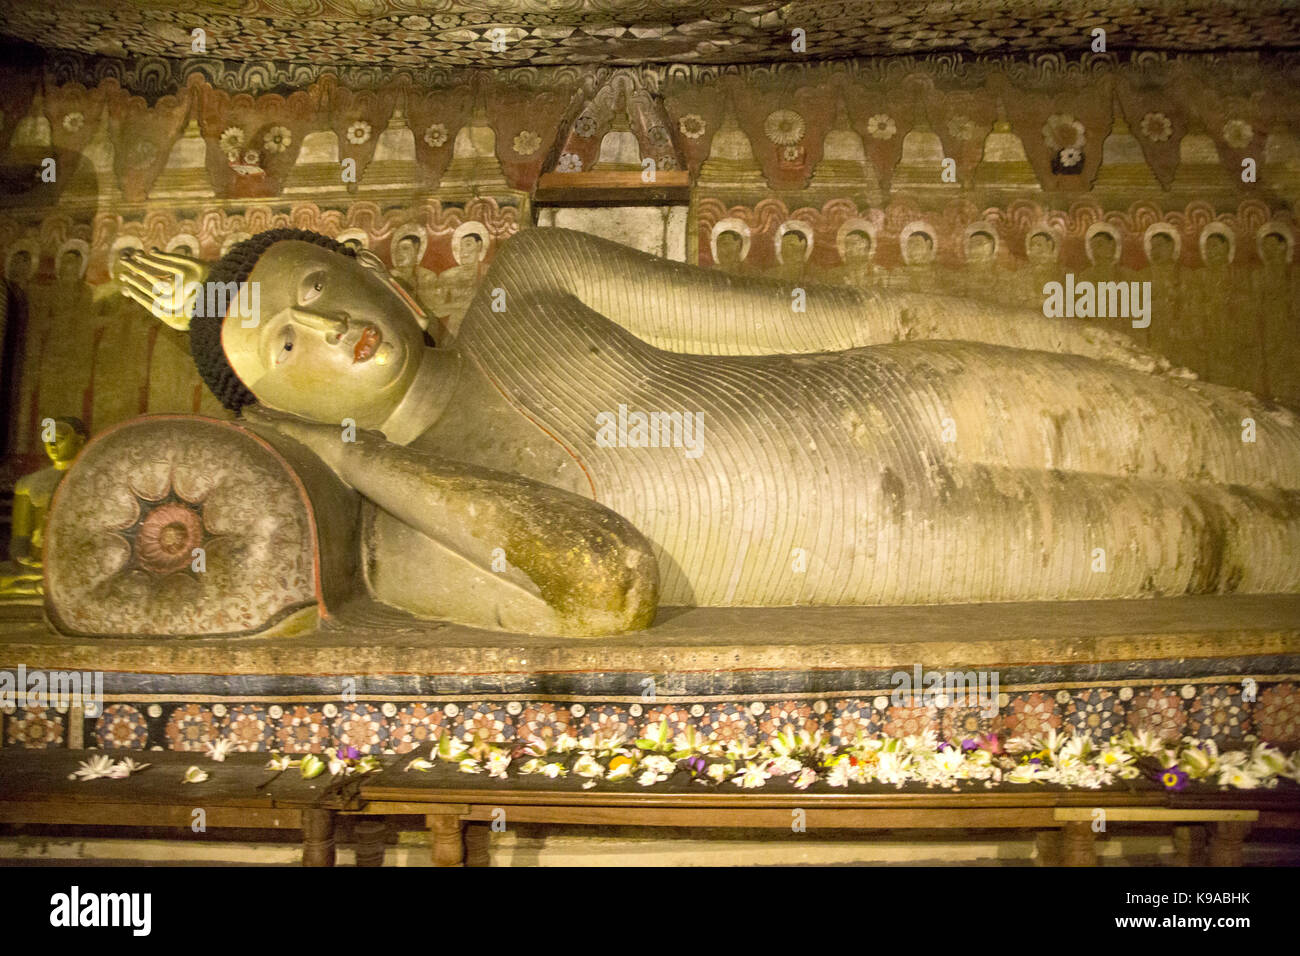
pixel 205 331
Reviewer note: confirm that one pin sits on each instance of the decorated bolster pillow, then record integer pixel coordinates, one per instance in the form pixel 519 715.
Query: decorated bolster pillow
pixel 175 526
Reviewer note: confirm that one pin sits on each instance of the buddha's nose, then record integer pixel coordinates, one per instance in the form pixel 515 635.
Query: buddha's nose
pixel 335 323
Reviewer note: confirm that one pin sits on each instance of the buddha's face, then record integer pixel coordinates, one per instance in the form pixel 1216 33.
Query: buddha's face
pixel 793 247
pixel 70 267
pixel 405 254
pixel 729 246
pixel 979 247
pixel 471 250
pixel 920 247
pixel 67 442
pixel 1162 248
pixel 1041 247
pixel 20 268
pixel 1216 250
pixel 1103 248
pixel 333 339
pixel 857 247
pixel 1273 249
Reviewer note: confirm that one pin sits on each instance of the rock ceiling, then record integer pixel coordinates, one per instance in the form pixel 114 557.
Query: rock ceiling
pixel 519 32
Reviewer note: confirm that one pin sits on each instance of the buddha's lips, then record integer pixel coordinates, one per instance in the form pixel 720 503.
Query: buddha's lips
pixel 367 344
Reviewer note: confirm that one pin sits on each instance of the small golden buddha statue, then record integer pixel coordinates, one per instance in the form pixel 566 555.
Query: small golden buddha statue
pixel 21 578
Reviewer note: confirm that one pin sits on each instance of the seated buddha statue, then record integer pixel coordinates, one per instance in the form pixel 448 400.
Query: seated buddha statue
pixel 613 431
pixel 21 577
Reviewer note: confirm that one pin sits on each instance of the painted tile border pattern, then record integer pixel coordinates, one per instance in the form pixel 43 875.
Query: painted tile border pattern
pixel 1207 708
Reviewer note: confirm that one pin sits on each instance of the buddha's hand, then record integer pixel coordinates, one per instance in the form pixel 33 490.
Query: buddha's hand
pixel 167 284
pixel 330 443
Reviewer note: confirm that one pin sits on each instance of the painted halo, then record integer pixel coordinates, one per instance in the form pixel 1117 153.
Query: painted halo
pixel 360 235
pixel 185 239
pixel 730 225
pixel 33 250
pixel 856 225
pixel 74 245
pixel 911 229
pixel 1218 229
pixel 471 228
pixel 1097 228
pixel 1050 233
pixel 988 230
pixel 418 232
pixel 1169 230
pixel 1281 229
pixel 794 225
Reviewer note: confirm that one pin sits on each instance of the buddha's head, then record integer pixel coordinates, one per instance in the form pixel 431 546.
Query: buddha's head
pixel 857 246
pixel 1041 247
pixel 19 270
pixel 333 338
pixel 1217 250
pixel 730 245
pixel 1162 248
pixel 69 269
pixel 471 249
pixel 69 436
pixel 1102 247
pixel 794 246
pixel 979 247
pixel 406 252
pixel 1273 248
pixel 920 248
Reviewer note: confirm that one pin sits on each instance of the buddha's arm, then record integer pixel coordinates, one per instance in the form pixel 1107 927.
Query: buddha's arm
pixel 595 572
pixel 681 308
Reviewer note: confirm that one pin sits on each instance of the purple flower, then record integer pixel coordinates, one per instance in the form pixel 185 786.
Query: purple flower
pixel 1173 778
pixel 969 744
pixel 1037 760
pixel 349 753
pixel 696 764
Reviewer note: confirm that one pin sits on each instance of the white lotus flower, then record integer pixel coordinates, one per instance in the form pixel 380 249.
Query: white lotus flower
pixel 469 765
pixel 497 763
pixel 126 767
pixel 805 779
pixel 753 776
pixel 588 766
pixel 194 775
pixel 100 766
pixel 554 770
pixel 217 749
pixel 419 763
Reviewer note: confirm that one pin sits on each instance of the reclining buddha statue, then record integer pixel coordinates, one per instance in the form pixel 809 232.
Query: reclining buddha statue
pixel 609 432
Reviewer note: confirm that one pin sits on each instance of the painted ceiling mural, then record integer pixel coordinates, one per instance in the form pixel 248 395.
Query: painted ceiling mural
pixel 539 32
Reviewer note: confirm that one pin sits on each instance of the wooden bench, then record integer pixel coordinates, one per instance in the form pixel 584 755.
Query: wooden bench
pixel 1057 814
pixel 35 789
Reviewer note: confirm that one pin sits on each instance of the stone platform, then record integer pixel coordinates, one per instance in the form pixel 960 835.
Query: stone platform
pixel 1220 668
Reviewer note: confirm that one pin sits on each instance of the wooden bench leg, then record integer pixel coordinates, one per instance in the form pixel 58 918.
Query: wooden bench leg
pixel 1078 847
pixel 371 839
pixel 446 839
pixel 1225 843
pixel 1047 844
pixel 1189 845
pixel 318 838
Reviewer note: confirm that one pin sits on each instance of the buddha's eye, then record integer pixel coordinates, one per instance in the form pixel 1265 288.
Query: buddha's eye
pixel 286 345
pixel 311 288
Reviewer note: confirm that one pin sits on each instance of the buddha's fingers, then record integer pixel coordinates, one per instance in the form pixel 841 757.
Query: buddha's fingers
pixel 187 266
